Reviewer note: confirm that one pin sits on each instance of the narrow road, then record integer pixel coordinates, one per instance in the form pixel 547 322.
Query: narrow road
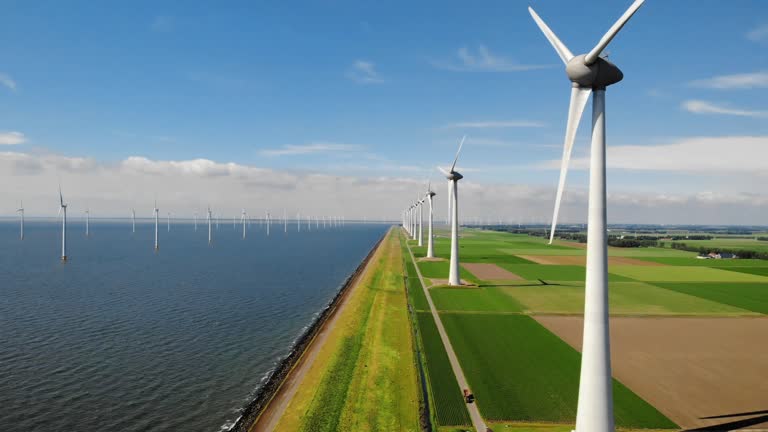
pixel 474 412
pixel 267 421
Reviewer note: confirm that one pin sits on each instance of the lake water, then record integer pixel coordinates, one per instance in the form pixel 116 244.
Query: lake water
pixel 121 338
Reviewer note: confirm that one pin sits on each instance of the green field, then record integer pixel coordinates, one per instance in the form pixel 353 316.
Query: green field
pixel 728 243
pixel 520 371
pixel 683 274
pixel 648 252
pixel 624 298
pixel 761 271
pixel 474 299
pixel 554 272
pixel 749 296
pixel 439 270
pixel 693 261
pixel 447 400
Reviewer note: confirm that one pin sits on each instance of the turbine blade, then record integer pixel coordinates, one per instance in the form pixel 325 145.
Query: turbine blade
pixel 442 170
pixel 579 98
pixel 562 50
pixel 611 33
pixel 61 198
pixel 461 144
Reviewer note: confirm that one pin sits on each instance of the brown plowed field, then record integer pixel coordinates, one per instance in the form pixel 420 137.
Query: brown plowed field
pixel 582 260
pixel 689 368
pixel 490 272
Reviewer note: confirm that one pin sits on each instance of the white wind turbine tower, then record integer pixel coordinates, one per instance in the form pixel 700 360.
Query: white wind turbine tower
pixel 421 221
pixel 133 221
pixel 209 224
pixel 453 179
pixel 285 221
pixel 430 239
pixel 195 216
pixel 63 212
pixel 298 222
pixel 268 221
pixel 87 222
pixel 243 220
pixel 169 221
pixel 20 210
pixel 589 73
pixel 156 211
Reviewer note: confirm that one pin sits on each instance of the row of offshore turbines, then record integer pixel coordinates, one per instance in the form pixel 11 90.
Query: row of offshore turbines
pixel 321 222
pixel 590 74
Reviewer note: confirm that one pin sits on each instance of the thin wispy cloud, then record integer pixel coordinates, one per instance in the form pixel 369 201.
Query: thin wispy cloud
pixel 7 81
pixel 312 148
pixel 12 138
pixel 495 124
pixel 704 155
pixel 364 72
pixel 704 107
pixel 163 24
pixel 483 60
pixel 758 34
pixel 735 81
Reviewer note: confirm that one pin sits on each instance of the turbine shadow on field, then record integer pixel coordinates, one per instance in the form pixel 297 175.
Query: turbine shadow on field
pixel 541 283
pixel 737 424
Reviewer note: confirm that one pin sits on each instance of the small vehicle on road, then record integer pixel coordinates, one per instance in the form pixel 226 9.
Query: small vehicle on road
pixel 468 396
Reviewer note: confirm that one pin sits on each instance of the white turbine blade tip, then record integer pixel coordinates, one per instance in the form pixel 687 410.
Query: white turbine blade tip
pixel 562 50
pixel 612 32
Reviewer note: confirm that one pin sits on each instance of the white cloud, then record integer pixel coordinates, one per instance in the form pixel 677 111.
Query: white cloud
pixel 759 34
pixel 703 155
pixel 12 138
pixel 7 81
pixel 364 72
pixel 312 148
pixel 185 186
pixel 482 60
pixel 496 124
pixel 735 81
pixel 704 107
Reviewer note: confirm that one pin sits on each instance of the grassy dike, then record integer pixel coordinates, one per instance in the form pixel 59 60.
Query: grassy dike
pixel 364 377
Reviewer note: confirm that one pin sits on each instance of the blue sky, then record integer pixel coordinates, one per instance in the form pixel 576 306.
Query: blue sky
pixel 373 89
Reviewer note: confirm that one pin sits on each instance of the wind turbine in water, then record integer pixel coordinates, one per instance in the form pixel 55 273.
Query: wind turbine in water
pixel 209 224
pixel 430 239
pixel 195 216
pixel 169 221
pixel 133 221
pixel 20 210
pixel 87 222
pixel 243 220
pixel 157 223
pixel 590 74
pixel 453 180
pixel 63 213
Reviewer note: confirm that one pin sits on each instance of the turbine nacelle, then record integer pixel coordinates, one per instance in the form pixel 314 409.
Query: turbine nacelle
pixel 597 75
pixel 453 175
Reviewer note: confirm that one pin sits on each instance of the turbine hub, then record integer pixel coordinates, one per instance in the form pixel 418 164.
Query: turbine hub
pixel 431 194
pixel 453 175
pixel 598 75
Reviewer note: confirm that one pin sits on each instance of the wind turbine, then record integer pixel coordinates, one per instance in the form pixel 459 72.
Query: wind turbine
pixel 169 221
pixel 590 73
pixel 195 216
pixel 63 212
pixel 298 222
pixel 453 179
pixel 209 224
pixel 269 222
pixel 285 220
pixel 243 220
pixel 430 239
pixel 156 211
pixel 87 222
pixel 21 213
pixel 133 220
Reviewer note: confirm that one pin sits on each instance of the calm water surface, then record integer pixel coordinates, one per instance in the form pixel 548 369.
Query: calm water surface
pixel 121 338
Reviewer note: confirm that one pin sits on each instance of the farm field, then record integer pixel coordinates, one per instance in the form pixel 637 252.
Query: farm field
pixel 729 243
pixel 546 372
pixel 655 357
pixel 364 376
pixel 646 285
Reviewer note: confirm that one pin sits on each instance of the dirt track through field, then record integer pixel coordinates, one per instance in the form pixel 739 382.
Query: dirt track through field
pixel 582 260
pixel 690 369
pixel 490 272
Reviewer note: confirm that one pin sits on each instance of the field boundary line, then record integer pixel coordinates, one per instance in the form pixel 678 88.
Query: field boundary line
pixel 474 413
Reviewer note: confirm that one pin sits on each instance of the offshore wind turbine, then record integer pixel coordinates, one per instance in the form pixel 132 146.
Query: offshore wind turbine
pixel 133 221
pixel 195 216
pixel 430 239
pixel 209 224
pixel 268 221
pixel 87 222
pixel 243 220
pixel 20 210
pixel 453 180
pixel 63 212
pixel 285 221
pixel 156 211
pixel 590 74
